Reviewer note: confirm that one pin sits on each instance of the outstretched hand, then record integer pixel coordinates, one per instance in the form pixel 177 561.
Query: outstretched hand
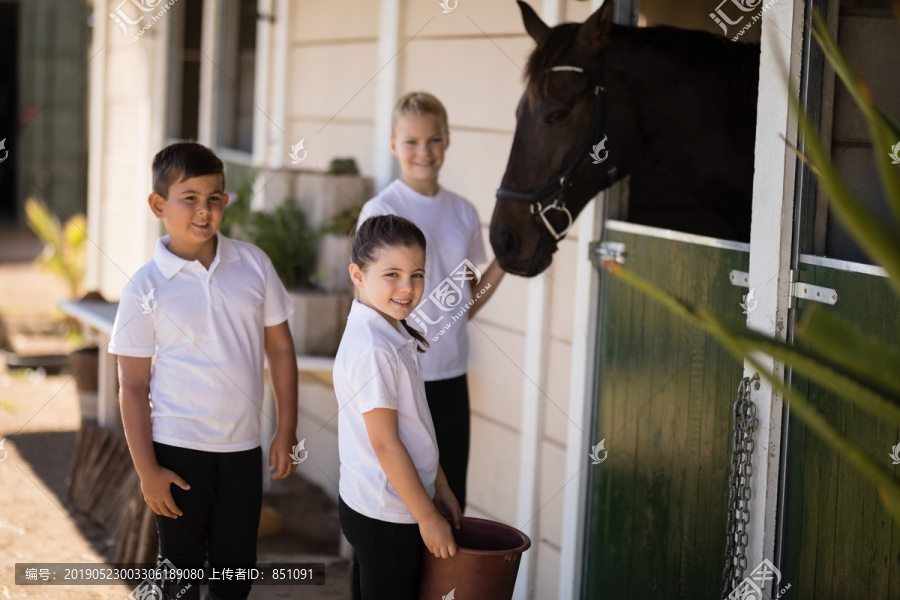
pixel 156 487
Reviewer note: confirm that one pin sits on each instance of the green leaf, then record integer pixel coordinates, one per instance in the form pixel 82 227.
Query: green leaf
pixel 65 248
pixel 889 488
pixel 868 231
pixel 76 231
pixel 883 132
pixel 284 236
pixel 849 347
pixel 42 222
pixel 866 397
pixel 746 341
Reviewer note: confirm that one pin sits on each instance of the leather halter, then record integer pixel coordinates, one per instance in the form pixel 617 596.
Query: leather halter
pixel 563 182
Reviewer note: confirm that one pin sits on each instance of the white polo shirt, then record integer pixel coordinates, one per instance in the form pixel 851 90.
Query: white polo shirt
pixel 205 331
pixel 452 235
pixel 377 367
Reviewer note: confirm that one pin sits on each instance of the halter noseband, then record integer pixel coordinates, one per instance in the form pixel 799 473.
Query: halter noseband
pixel 564 181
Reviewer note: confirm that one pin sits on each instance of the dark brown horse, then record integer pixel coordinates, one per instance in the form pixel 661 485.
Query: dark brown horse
pixel 604 101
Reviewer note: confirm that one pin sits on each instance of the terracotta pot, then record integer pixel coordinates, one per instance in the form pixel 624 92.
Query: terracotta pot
pixel 485 566
pixel 85 365
pixel 332 260
pixel 318 321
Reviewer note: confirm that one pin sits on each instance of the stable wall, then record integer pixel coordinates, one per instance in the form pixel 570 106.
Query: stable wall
pixel 472 59
pixel 320 83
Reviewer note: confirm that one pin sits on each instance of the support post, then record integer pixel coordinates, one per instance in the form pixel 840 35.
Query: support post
pixel 770 258
pixel 385 92
pixel 209 46
pixel 532 428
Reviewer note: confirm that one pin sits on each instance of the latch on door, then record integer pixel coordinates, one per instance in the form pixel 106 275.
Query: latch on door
pixel 606 252
pixel 806 291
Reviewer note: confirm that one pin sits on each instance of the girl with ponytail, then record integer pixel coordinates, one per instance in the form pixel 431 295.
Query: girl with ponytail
pixel 394 497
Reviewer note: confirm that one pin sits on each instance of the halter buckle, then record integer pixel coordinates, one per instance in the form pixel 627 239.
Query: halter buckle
pixel 541 211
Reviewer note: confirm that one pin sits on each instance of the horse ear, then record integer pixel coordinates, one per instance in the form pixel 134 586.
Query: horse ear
pixel 537 29
pixel 594 32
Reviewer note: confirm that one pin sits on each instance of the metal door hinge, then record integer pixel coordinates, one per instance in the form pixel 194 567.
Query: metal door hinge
pixel 808 291
pixel 605 252
pixel 805 291
pixel 739 278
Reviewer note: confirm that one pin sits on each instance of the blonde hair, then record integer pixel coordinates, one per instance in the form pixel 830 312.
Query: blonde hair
pixel 419 103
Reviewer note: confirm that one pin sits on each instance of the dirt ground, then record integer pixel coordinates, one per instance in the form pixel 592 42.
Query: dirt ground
pixel 39 420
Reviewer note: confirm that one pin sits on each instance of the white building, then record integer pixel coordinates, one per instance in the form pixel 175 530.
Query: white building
pixel 250 78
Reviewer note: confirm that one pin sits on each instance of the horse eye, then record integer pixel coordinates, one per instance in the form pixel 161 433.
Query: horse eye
pixel 557 116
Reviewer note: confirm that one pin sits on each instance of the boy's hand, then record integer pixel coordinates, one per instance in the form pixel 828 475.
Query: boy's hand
pixel 156 486
pixel 280 461
pixel 447 505
pixel 438 537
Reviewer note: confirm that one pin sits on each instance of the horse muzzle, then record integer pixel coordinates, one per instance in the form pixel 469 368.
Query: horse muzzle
pixel 524 257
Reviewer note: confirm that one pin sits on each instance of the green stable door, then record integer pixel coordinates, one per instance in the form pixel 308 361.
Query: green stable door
pixel 657 506
pixel 665 391
pixel 839 541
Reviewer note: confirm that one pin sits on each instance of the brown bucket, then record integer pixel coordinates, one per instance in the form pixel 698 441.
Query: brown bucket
pixel 485 566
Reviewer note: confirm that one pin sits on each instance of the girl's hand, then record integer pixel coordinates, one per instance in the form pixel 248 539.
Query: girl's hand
pixel 156 486
pixel 437 536
pixel 446 503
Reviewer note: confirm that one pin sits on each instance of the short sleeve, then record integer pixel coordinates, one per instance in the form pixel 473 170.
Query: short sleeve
pixel 277 306
pixel 372 381
pixel 370 209
pixel 475 252
pixel 134 331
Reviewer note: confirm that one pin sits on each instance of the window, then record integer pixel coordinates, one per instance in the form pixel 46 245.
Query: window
pixel 237 75
pixel 184 71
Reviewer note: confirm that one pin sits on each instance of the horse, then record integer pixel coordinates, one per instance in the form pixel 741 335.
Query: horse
pixel 604 101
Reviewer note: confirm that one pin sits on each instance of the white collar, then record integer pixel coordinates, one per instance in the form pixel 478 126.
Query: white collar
pixel 365 315
pixel 169 263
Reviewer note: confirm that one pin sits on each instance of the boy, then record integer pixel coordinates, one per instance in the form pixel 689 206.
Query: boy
pixel 452 231
pixel 206 308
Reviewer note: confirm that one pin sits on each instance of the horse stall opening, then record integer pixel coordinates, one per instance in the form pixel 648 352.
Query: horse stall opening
pixel 656 526
pixel 665 390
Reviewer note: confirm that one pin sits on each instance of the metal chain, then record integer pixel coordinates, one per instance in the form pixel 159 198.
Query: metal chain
pixel 745 422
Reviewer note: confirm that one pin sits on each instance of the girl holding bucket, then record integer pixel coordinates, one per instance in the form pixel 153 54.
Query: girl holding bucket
pixel 393 494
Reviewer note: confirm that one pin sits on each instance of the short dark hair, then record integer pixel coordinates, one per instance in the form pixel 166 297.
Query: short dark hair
pixel 387 231
pixel 183 160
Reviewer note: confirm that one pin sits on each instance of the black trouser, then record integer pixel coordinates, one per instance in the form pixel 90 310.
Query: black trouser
pixel 220 515
pixel 448 400
pixel 388 556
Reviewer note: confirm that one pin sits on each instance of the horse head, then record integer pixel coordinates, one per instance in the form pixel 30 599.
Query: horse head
pixel 561 134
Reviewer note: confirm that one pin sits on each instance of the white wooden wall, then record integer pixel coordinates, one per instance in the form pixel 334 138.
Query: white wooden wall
pixel 328 82
pixel 125 98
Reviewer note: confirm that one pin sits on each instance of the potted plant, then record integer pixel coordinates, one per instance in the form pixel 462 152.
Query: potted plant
pixel 291 244
pixel 324 195
pixel 334 252
pixel 307 239
pixel 65 255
